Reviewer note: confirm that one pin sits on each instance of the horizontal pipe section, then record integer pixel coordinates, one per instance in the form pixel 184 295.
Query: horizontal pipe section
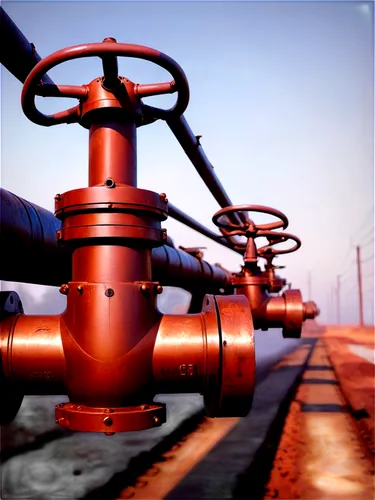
pixel 32 353
pixel 31 254
pixel 29 250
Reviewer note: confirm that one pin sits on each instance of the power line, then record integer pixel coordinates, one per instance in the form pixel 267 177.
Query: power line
pixel 367 243
pixel 368 259
pixel 369 213
pixel 348 269
pixel 347 255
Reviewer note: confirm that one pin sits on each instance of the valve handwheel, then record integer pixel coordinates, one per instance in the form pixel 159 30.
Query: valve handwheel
pixel 243 229
pixel 108 51
pixel 251 230
pixel 274 238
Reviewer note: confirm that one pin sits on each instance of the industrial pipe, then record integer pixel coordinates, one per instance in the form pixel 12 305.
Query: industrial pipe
pixel 112 350
pixel 17 54
pixel 287 311
pixel 32 254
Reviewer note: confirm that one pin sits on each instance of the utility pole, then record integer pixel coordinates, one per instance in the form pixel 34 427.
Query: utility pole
pixel 360 297
pixel 338 299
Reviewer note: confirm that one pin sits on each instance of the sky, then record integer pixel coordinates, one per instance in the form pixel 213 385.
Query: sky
pixel 283 96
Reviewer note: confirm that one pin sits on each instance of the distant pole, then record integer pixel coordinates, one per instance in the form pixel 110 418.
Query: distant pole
pixel 309 284
pixel 338 299
pixel 360 297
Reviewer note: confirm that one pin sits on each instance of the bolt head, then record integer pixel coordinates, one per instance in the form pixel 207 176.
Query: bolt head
pixel 80 289
pixel 159 289
pixel 109 292
pixel 64 289
pixel 107 421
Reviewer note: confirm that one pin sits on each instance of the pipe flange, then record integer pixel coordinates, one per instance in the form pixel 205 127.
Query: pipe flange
pixel 230 377
pixel 112 212
pixel 241 280
pixel 77 417
pixel 294 314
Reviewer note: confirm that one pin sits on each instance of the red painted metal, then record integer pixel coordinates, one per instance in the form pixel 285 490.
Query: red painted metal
pixel 288 311
pixel 74 114
pixel 112 350
pixel 31 253
pixel 104 350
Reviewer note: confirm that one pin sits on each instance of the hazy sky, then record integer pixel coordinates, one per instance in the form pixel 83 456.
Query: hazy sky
pixel 282 93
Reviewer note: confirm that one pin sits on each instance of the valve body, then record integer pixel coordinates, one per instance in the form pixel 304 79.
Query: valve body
pixel 111 350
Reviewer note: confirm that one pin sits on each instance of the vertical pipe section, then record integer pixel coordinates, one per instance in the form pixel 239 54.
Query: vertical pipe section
pixel 112 154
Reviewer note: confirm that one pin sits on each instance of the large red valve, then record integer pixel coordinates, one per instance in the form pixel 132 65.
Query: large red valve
pixel 288 311
pixel 112 350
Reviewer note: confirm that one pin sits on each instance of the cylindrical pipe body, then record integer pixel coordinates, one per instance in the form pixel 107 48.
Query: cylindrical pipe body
pixel 32 353
pixel 31 253
pixel 29 249
pixel 112 153
pixel 195 153
pixel 103 263
pixel 17 54
pixel 255 294
pixel 108 332
pixel 179 354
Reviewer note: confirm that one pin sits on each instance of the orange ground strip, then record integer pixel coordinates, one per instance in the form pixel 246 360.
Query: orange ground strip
pixel 355 374
pixel 321 455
